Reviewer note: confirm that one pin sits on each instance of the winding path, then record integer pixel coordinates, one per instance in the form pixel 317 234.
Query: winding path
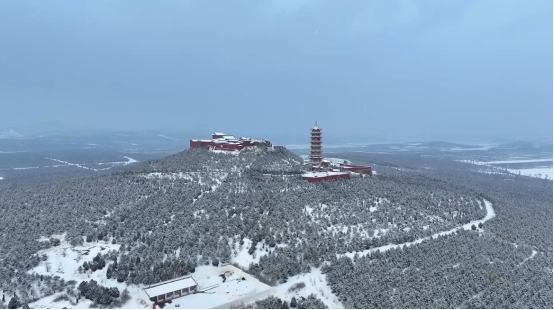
pixel 490 214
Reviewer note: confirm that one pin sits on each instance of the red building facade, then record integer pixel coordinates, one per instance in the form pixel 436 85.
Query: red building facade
pixel 221 141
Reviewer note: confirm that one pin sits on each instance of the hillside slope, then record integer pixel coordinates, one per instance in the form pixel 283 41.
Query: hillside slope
pixel 173 214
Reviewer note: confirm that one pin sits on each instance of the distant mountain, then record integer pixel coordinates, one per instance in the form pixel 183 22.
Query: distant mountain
pixel 444 144
pixel 11 134
pixel 527 146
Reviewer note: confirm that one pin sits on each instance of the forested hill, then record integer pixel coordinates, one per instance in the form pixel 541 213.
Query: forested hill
pixel 199 207
pixel 202 160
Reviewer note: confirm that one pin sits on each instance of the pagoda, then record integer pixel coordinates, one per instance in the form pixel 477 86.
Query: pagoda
pixel 315 145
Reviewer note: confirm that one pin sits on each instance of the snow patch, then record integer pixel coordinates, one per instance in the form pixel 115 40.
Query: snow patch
pixel 134 144
pixel 164 136
pixel 64 261
pixel 533 253
pixel 243 259
pixel 129 161
pixel 538 172
pixel 517 161
pixel 316 283
pixel 76 165
pixel 25 168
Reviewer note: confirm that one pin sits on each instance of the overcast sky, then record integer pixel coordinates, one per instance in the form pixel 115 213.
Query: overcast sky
pixel 424 69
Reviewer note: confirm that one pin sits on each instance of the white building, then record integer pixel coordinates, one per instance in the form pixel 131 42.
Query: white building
pixel 171 289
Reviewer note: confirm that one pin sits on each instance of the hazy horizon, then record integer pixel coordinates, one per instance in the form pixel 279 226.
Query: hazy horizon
pixel 395 69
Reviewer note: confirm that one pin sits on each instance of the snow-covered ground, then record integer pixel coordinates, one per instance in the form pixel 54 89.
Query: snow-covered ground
pixel 64 261
pixel 236 152
pixel 538 172
pixel 243 259
pixel 219 294
pixel 173 176
pixel 316 283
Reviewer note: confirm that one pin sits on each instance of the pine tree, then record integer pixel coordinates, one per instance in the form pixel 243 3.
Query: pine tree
pixel 14 303
pixel 293 302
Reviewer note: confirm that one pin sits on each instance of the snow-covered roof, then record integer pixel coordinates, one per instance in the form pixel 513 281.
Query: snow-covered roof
pixel 228 137
pixel 322 174
pixel 218 133
pixel 172 286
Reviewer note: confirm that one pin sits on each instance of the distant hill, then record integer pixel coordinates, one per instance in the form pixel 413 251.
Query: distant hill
pixel 10 134
pixel 527 146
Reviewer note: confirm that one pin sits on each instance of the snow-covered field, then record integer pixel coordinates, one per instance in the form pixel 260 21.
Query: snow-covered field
pixel 518 161
pixel 542 169
pixel 480 148
pixel 538 172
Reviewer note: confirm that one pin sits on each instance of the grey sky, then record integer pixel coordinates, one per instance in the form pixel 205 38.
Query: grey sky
pixel 424 69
